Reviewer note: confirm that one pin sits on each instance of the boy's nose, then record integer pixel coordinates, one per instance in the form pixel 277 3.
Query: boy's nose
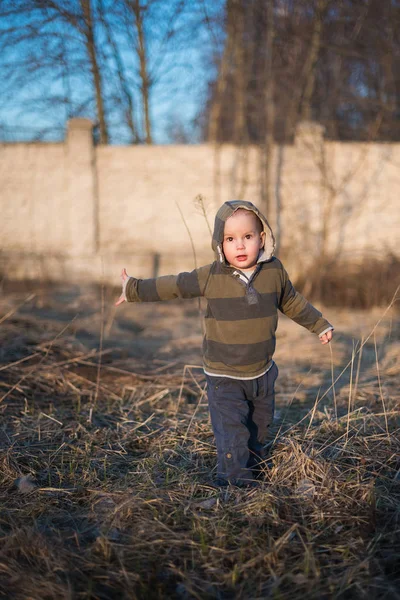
pixel 240 244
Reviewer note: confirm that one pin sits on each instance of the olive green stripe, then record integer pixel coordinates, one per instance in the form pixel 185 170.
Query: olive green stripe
pixel 203 274
pixel 268 281
pixel 167 288
pixel 248 331
pixel 225 286
pixel 247 370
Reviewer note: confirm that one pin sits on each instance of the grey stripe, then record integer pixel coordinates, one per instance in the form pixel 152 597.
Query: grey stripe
pixel 273 263
pixel 147 290
pixel 239 354
pixel 233 309
pixel 288 292
pixel 188 285
pixel 219 229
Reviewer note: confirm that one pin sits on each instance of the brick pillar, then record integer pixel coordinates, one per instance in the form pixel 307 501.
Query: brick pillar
pixel 82 187
pixel 308 191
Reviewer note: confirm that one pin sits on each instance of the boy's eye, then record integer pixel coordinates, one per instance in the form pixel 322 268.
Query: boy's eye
pixel 248 236
pixel 229 239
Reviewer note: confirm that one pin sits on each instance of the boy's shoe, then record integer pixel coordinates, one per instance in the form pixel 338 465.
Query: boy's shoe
pixel 248 484
pixel 260 471
pixel 220 482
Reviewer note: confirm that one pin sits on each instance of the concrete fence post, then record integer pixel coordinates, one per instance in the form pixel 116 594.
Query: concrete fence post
pixel 307 210
pixel 310 137
pixel 82 187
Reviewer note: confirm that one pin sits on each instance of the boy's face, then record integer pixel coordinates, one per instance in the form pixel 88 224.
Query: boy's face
pixel 243 239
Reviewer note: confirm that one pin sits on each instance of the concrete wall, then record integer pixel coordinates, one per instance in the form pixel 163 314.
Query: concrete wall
pixel 74 210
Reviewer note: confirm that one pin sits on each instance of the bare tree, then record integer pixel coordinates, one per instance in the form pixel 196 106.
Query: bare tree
pixel 268 146
pixel 94 65
pixel 127 95
pixel 102 60
pixel 138 11
pixel 223 71
pixel 140 26
pixel 334 61
pixel 50 24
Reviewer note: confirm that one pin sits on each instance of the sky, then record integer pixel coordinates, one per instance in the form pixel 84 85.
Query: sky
pixel 37 82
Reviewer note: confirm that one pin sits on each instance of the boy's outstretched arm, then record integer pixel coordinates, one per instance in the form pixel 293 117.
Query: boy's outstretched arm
pixel 295 306
pixel 167 287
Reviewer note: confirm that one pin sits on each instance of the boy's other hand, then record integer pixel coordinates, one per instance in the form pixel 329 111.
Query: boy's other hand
pixel 124 277
pixel 326 338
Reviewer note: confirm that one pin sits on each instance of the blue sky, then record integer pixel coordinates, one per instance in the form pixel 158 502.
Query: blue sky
pixel 33 98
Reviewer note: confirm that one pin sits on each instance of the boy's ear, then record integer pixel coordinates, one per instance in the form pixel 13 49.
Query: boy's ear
pixel 262 239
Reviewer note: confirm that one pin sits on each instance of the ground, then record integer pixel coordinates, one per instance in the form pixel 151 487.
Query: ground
pixel 108 457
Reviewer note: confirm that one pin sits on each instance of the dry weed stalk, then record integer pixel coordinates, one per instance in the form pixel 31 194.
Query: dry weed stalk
pixel 350 390
pixel 201 207
pixel 16 308
pixel 380 387
pixel 333 380
pixel 99 359
pixel 358 367
pixel 189 234
pixel 194 259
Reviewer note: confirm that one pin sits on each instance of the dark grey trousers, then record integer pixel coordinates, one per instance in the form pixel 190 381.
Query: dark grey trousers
pixel 241 412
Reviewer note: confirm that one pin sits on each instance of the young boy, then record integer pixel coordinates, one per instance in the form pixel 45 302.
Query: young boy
pixel 244 287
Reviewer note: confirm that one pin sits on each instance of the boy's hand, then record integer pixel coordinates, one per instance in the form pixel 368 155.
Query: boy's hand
pixel 124 277
pixel 326 338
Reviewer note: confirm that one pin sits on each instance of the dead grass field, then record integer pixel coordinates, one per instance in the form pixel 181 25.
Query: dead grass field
pixel 108 456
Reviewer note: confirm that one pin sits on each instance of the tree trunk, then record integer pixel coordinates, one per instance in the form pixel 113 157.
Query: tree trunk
pixel 306 112
pixel 144 76
pixel 240 137
pixel 121 76
pixel 217 102
pixel 307 74
pixel 240 76
pixel 94 66
pixel 268 146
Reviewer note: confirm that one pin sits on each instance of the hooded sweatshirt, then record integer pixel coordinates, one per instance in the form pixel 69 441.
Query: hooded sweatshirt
pixel 242 313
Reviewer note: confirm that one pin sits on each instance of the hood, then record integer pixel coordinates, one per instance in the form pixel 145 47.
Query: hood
pixel 227 211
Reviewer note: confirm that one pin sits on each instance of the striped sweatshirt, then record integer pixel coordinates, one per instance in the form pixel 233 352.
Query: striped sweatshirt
pixel 242 313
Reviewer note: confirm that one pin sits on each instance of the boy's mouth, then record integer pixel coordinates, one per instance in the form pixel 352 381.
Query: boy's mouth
pixel 241 257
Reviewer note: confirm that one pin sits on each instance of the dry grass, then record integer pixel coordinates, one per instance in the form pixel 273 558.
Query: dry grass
pixel 106 482
pixel 357 283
